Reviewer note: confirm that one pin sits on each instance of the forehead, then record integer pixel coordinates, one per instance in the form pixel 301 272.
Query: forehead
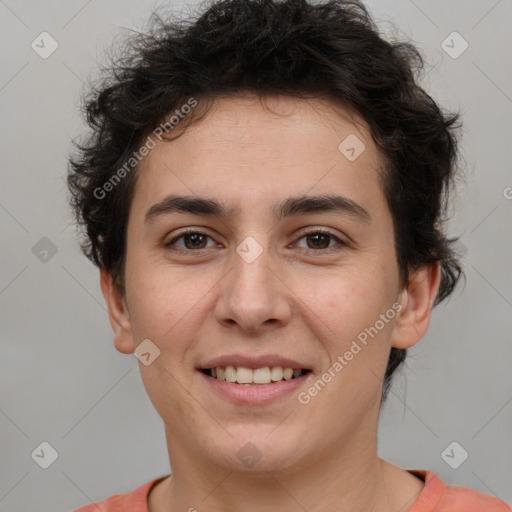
pixel 257 149
pixel 276 121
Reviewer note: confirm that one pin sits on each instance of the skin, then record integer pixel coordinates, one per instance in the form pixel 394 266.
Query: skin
pixel 295 300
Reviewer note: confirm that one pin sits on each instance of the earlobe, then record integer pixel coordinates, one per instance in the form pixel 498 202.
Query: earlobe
pixel 417 302
pixel 118 313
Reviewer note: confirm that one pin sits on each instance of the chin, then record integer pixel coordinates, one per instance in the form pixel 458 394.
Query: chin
pixel 263 448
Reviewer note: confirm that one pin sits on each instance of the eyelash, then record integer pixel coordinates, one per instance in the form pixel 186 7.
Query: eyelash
pixel 341 243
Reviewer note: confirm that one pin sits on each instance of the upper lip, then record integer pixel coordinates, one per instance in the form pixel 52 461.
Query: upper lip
pixel 253 362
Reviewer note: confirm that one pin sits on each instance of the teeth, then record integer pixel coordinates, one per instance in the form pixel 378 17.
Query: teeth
pixel 276 373
pixel 265 375
pixel 288 373
pixel 244 375
pixel 261 375
pixel 230 373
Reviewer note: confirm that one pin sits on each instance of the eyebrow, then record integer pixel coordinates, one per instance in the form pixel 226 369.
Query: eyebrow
pixel 290 207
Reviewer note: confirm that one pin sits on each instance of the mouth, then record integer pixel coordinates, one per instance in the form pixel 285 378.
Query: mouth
pixel 249 379
pixel 258 376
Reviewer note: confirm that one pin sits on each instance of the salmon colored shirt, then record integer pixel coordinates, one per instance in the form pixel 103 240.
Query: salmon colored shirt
pixel 435 497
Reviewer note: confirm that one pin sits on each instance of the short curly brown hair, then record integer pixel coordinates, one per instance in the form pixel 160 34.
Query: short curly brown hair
pixel 331 50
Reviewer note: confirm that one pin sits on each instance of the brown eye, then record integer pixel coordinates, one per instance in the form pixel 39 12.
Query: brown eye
pixel 196 241
pixel 192 240
pixel 321 240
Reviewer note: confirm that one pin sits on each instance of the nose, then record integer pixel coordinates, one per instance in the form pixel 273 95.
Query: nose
pixel 253 296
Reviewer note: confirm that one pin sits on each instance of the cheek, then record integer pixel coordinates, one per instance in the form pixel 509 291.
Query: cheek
pixel 168 304
pixel 350 303
pixel 356 339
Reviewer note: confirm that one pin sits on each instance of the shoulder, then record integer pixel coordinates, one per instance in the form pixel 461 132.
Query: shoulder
pixel 439 497
pixel 472 500
pixel 134 501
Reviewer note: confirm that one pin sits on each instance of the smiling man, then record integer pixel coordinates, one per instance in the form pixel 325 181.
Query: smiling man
pixel 272 253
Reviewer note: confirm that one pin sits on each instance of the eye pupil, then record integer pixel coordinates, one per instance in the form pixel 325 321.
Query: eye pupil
pixel 321 236
pixel 194 237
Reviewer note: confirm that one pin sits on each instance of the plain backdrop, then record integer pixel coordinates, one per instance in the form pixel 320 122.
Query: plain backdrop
pixel 61 379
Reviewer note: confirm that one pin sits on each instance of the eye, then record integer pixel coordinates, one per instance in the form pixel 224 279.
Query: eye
pixel 320 239
pixel 192 240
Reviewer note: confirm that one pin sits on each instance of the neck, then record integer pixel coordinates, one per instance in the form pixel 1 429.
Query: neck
pixel 350 477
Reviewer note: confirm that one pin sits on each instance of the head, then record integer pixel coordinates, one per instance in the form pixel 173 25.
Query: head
pixel 268 120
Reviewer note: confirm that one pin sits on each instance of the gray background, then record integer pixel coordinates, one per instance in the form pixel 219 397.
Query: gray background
pixel 62 381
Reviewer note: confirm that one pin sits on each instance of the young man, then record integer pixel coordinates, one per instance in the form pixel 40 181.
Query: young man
pixel 263 193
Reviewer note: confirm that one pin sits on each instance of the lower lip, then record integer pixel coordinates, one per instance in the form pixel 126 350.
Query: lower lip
pixel 253 394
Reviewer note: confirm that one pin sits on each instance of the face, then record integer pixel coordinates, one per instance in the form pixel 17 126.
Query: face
pixel 275 276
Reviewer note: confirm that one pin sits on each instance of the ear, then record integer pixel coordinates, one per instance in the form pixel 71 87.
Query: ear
pixel 417 301
pixel 118 314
